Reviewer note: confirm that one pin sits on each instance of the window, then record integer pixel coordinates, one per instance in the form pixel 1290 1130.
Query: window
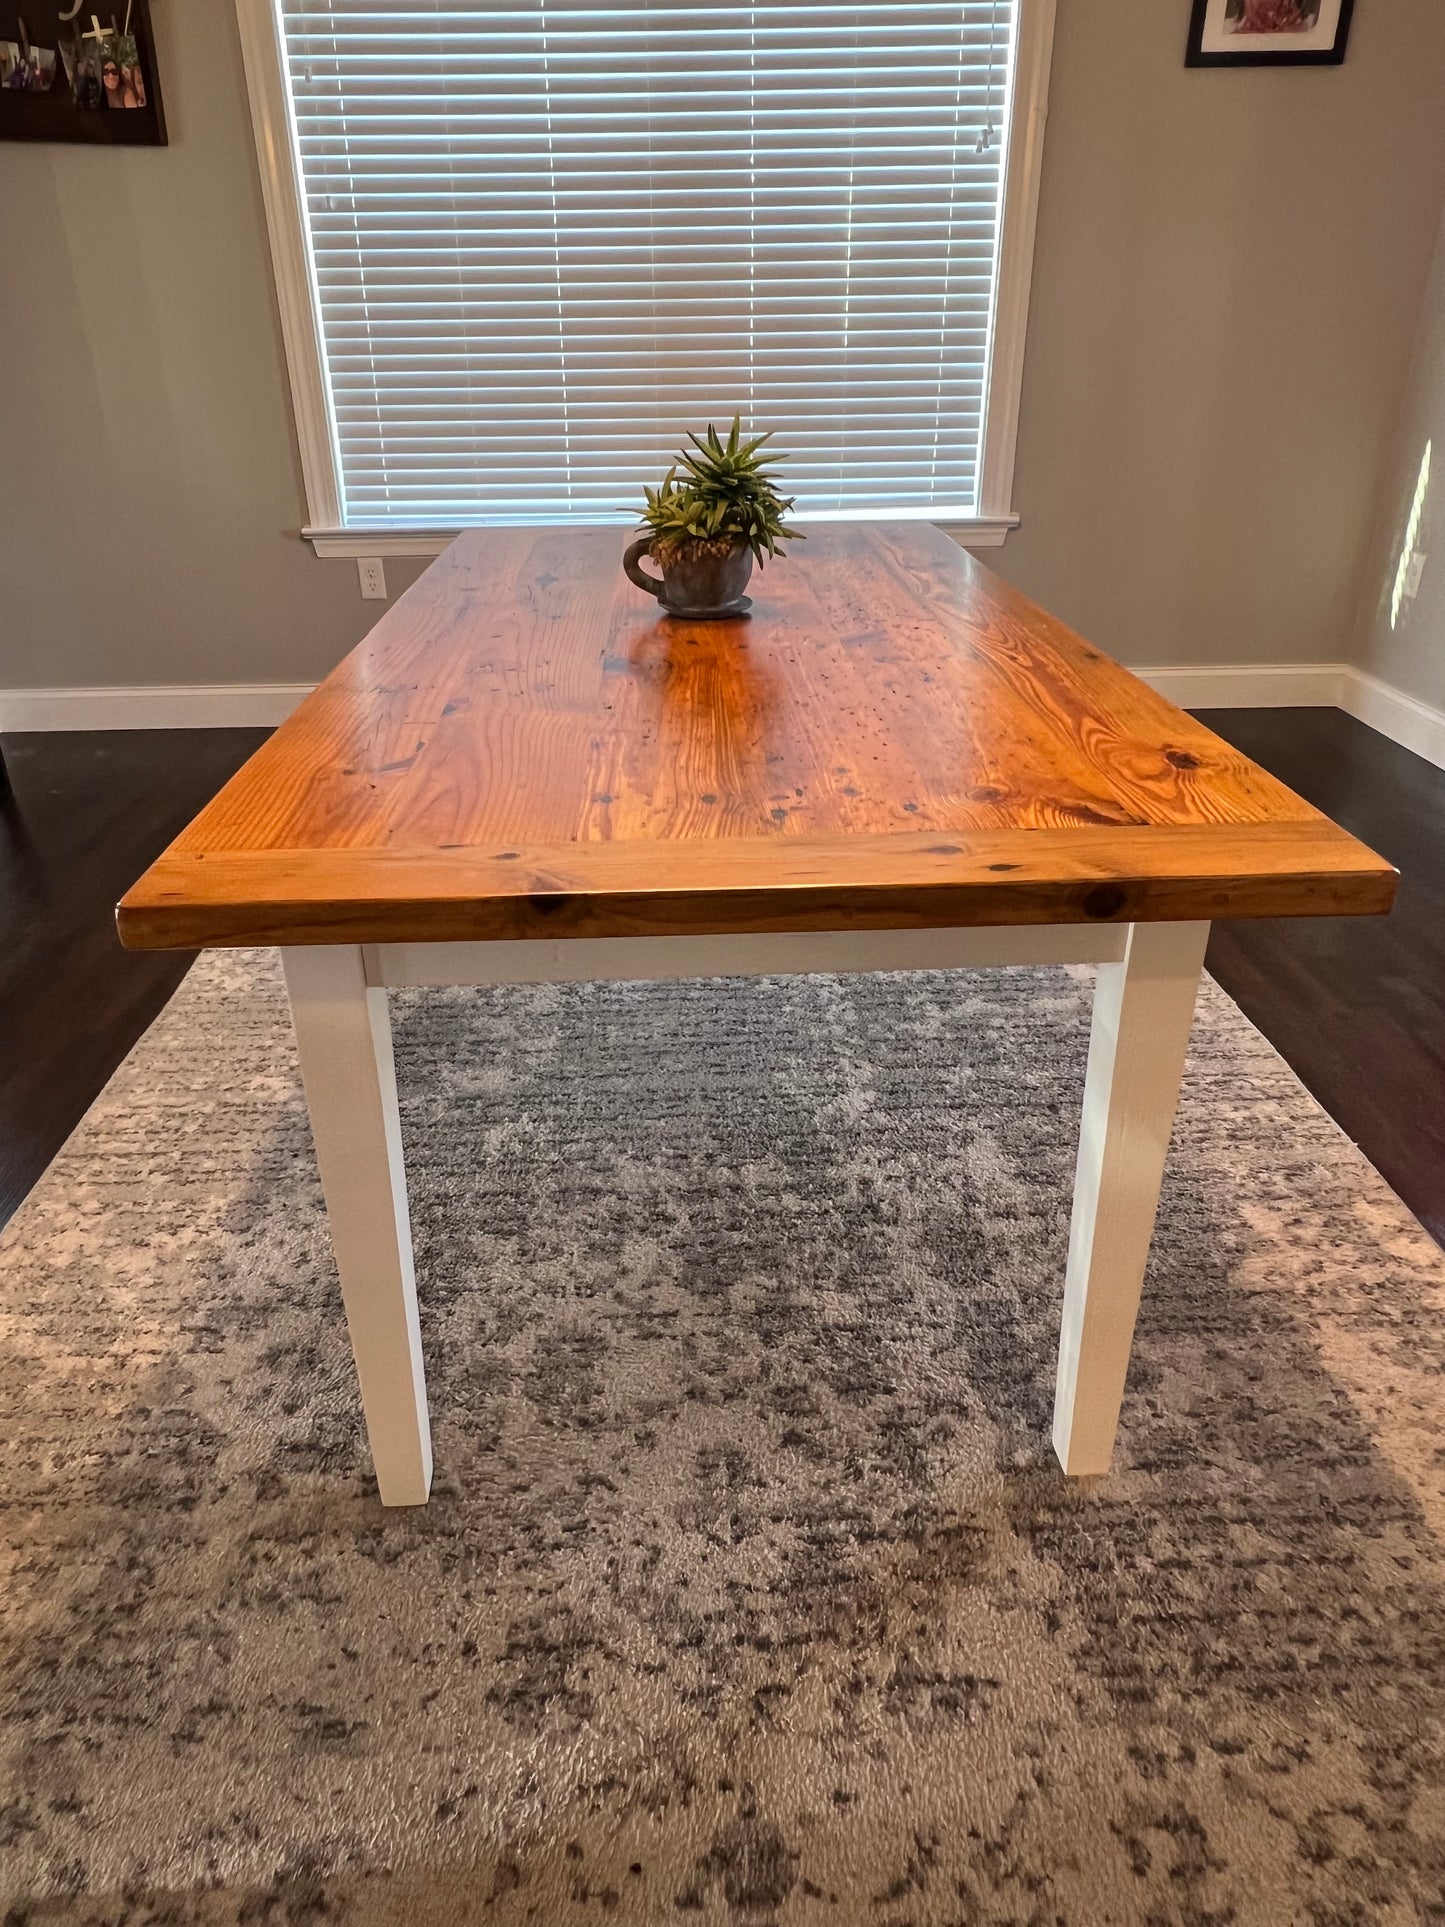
pixel 523 247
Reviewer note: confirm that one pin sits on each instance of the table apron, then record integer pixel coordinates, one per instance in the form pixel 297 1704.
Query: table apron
pixel 777 953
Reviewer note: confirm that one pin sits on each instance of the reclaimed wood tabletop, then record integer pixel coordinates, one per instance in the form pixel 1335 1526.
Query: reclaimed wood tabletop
pixel 894 738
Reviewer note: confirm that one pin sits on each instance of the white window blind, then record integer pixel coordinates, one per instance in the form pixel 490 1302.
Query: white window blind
pixel 549 237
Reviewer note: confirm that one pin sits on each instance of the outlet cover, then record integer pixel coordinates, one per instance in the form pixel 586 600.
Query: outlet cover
pixel 373 578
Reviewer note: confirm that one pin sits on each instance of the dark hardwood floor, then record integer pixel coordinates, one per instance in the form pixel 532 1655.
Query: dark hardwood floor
pixel 83 816
pixel 1357 1005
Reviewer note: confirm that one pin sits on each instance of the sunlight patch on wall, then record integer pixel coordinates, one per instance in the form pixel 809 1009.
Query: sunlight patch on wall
pixel 1407 575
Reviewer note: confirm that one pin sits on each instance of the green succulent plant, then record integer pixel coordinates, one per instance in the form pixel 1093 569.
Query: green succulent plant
pixel 723 499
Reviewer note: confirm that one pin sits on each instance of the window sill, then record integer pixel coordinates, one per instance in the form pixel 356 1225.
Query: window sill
pixel 969 531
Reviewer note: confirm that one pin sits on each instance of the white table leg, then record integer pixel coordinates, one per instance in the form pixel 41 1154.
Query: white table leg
pixel 1143 1008
pixel 343 1034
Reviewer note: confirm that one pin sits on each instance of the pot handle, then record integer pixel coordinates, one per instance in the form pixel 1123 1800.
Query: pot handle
pixel 631 563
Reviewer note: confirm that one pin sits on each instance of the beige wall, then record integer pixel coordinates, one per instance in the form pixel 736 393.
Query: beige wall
pixel 1410 654
pixel 1228 274
pixel 149 491
pixel 1228 271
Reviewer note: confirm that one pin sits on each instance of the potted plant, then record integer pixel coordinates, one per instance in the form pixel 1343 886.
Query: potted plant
pixel 706 526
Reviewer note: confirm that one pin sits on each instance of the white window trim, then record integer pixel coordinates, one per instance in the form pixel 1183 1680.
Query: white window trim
pixel 261 49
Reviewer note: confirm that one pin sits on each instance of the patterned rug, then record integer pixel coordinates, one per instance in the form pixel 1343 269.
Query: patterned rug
pixel 750 1591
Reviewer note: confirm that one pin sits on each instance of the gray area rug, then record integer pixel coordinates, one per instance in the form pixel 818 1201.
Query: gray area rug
pixel 750 1591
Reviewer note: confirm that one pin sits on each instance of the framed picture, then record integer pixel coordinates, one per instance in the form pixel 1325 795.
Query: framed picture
pixel 1268 33
pixel 69 73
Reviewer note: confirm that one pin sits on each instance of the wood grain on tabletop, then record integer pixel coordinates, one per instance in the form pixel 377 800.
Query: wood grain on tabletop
pixel 525 745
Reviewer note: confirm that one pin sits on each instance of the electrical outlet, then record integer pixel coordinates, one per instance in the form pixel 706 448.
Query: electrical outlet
pixel 373 578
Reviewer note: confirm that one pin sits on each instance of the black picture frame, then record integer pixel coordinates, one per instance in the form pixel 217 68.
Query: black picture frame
pixel 1195 56
pixel 54 115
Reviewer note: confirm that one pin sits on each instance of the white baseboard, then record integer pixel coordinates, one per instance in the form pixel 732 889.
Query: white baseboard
pixel 1251 685
pixel 239 705
pixel 1404 719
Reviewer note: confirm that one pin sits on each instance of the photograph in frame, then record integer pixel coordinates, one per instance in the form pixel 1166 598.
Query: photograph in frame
pixel 1268 33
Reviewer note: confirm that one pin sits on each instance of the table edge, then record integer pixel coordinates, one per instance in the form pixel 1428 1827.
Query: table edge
pixel 1156 873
